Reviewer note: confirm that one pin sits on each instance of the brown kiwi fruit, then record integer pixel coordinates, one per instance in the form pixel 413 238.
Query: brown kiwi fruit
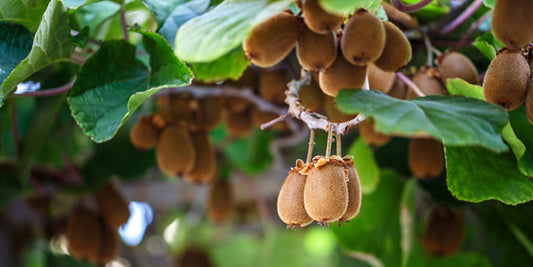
pixel 272 86
pixel 315 51
pixel 371 136
pixel 354 191
pixel 443 235
pixel 209 113
pixel 319 20
pixel 426 158
pixel 272 40
pixel 510 22
pixel 397 51
pixel 239 124
pixel 456 65
pixel 428 82
pixel 326 190
pixel 108 246
pixel 399 90
pixel 235 104
pixel 175 151
pixel 205 164
pixel 291 208
pixel 380 80
pixel 221 202
pixel 363 38
pixel 311 96
pixel 402 19
pixel 144 134
pixel 83 233
pixel 259 117
pixel 113 206
pixel 179 108
pixel 341 75
pixel 506 80
pixel 333 113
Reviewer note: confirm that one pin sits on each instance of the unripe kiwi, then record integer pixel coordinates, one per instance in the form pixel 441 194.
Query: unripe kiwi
pixel 354 191
pixel 506 80
pixel 380 80
pixel 402 19
pixel 333 113
pixel 319 20
pixel 113 206
pixel 363 38
pixel 205 163
pixel 397 51
pixel 83 233
pixel 259 117
pixel 175 151
pixel 144 134
pixel 428 82
pixel 239 124
pixel 341 75
pixel 316 51
pixel 371 136
pixel 511 22
pixel 108 246
pixel 209 113
pixel 443 235
pixel 399 90
pixel 425 157
pixel 272 86
pixel 291 209
pixel 311 96
pixel 221 202
pixel 326 192
pixel 272 40
pixel 456 65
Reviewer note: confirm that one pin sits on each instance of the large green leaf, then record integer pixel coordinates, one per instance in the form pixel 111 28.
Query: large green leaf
pixel 24 12
pixel 94 14
pixel 15 44
pixel 162 8
pixel 51 45
pixel 181 14
pixel 113 84
pixel 230 66
pixel 365 164
pixel 451 119
pixel 476 174
pixel 216 33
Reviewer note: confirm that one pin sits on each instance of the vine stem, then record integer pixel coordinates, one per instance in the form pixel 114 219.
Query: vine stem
pixel 15 128
pixel 124 24
pixel 398 4
pixel 330 140
pixel 410 84
pixel 49 92
pixel 310 146
pixel 462 17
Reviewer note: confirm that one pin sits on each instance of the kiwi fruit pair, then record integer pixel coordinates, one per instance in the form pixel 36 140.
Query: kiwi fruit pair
pixel 456 65
pixel 291 209
pixel 318 20
pixel 363 38
pixel 272 86
pixel 315 51
pixel 221 201
pixel 144 133
pixel 443 235
pixel 205 161
pixel 371 136
pixel 426 158
pixel 175 152
pixel 510 22
pixel 428 81
pixel 113 206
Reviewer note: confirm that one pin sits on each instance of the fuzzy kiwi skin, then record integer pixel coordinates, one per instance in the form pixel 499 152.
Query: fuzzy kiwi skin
pixel 144 134
pixel 511 22
pixel 399 90
pixel 291 209
pixel 354 192
pixel 272 86
pixel 175 152
pixel 272 40
pixel 379 79
pixel 113 206
pixel 427 81
pixel 371 136
pixel 221 201
pixel 239 124
pixel 341 75
pixel 363 38
pixel 83 233
pixel 205 163
pixel 178 108
pixel 326 192
pixel 426 158
pixel 312 97
pixel 315 51
pixel 506 80
pixel 397 51
pixel 319 20
pixel 333 113
pixel 456 65
pixel 443 235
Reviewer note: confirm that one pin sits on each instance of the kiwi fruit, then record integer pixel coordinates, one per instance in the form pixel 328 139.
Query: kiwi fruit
pixel 239 124
pixel 291 209
pixel 315 51
pixel 443 235
pixel 272 86
pixel 235 104
pixel 354 191
pixel 108 246
pixel 341 75
pixel 399 90
pixel 402 19
pixel 326 191
pixel 456 65
pixel 397 51
pixel 259 117
pixel 363 38
pixel 144 134
pixel 319 20
pixel 371 136
pixel 333 113
pixel 425 157
pixel 380 80
pixel 205 164
pixel 175 152
pixel 209 113
pixel 506 80
pixel 113 206
pixel 248 79
pixel 83 234
pixel 272 40
pixel 179 108
pixel 510 22
pixel 311 96
pixel 428 82
pixel 221 202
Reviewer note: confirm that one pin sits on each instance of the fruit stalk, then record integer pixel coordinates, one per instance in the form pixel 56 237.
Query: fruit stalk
pixel 311 146
pixel 339 144
pixel 330 140
pixel 410 84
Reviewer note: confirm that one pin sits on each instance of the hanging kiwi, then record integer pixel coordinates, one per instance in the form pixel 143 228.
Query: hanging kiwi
pixel 175 152
pixel 209 113
pixel 402 19
pixel 108 247
pixel 371 136
pixel 315 51
pixel 510 22
pixel 341 75
pixel 399 90
pixel 443 235
pixel 397 51
pixel 426 158
pixel 205 163
pixel 144 134
pixel 426 79
pixel 506 80
pixel 272 86
pixel 113 206
pixel 311 96
pixel 380 80
pixel 178 107
pixel 354 191
pixel 363 38
pixel 291 209
pixel 221 202
pixel 333 113
pixel 456 65
pixel 83 234
pixel 319 20
pixel 272 40
pixel 239 124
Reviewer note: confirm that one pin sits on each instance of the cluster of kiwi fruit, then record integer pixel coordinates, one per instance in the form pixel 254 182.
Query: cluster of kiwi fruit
pixel 92 230
pixel 443 234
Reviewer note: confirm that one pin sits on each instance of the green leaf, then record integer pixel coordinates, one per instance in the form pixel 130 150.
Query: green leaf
pixel 24 12
pixel 476 174
pixel 219 31
pixel 460 87
pixel 489 3
pixel 113 84
pixel 181 14
pixel 15 44
pixel 230 66
pixel 162 8
pixel 365 164
pixel 488 45
pixel 51 45
pixel 453 120
pixel 347 6
pixel 93 15
pixel 252 154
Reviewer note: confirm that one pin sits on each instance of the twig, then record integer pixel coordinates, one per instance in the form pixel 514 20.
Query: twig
pixel 472 29
pixel 49 92
pixel 269 124
pixel 410 8
pixel 124 24
pixel 410 84
pixel 15 128
pixel 310 147
pixel 330 140
pixel 462 17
